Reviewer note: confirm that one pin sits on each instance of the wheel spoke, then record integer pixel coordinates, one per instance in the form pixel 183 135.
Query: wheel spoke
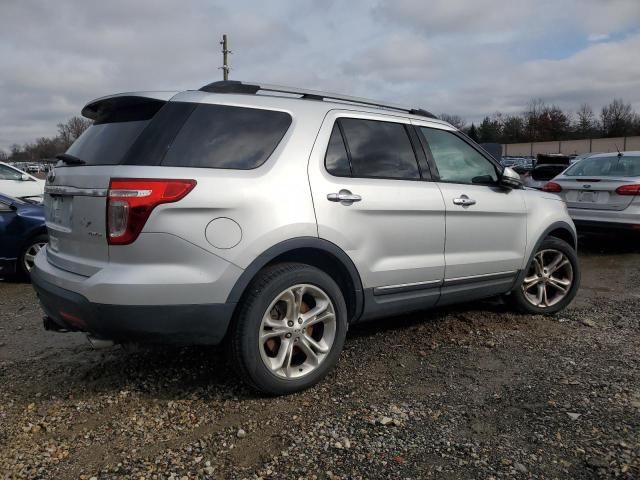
pixel 273 322
pixel 560 264
pixel 322 318
pixel 289 298
pixel 283 358
pixel 545 298
pixel 276 332
pixel 29 257
pixel 538 263
pixel 298 295
pixel 312 356
pixel 561 284
pixel 531 281
pixel 318 347
pixel 321 306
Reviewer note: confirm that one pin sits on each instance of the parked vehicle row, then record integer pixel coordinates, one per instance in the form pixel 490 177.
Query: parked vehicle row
pixel 271 219
pixel 17 183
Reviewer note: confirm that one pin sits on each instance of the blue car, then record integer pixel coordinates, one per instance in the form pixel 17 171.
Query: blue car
pixel 22 234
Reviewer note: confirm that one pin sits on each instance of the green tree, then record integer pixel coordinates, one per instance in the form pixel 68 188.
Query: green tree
pixel 489 130
pixel 473 132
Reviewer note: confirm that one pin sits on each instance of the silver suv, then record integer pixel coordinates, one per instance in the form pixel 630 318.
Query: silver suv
pixel 271 219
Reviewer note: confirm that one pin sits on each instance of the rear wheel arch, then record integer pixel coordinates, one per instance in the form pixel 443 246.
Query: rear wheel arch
pixel 316 252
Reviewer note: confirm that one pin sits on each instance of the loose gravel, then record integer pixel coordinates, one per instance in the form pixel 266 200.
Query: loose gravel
pixel 472 392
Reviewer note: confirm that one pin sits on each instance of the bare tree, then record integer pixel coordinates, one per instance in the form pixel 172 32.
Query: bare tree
pixel 618 118
pixel 455 120
pixel 586 122
pixel 69 132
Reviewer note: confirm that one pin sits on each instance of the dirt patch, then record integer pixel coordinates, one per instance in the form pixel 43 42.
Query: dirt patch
pixel 471 392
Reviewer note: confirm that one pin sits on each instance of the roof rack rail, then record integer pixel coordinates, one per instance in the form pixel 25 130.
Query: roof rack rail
pixel 236 86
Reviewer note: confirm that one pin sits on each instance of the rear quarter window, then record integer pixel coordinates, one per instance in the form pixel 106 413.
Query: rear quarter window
pixel 221 136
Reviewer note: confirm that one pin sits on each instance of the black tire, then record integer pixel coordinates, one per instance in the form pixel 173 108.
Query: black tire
pixel 21 268
pixel 518 298
pixel 243 348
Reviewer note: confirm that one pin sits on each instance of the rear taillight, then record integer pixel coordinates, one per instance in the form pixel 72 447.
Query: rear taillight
pixel 131 201
pixel 628 189
pixel 552 187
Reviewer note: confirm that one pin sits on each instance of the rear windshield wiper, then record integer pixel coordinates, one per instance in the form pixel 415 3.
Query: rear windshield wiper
pixel 70 159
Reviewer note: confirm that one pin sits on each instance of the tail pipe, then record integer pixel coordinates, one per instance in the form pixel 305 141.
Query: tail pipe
pixel 52 326
pixel 99 343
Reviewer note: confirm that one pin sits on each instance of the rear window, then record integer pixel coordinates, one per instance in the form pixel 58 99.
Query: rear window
pixel 108 140
pixel 184 135
pixel 624 166
pixel 220 136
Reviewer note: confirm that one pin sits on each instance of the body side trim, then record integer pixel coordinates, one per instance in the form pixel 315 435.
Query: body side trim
pixel 406 287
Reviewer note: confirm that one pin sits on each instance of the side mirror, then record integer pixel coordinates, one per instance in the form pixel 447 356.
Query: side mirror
pixel 510 179
pixel 24 177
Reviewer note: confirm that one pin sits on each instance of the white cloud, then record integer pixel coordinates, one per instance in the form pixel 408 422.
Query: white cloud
pixel 461 57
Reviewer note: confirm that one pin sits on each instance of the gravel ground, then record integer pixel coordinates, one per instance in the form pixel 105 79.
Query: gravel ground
pixel 469 392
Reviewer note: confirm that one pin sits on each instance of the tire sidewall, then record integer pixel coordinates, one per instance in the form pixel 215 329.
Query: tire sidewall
pixel 251 321
pixel 565 248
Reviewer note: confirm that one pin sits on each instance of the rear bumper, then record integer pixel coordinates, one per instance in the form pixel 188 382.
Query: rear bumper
pixel 175 324
pixel 629 218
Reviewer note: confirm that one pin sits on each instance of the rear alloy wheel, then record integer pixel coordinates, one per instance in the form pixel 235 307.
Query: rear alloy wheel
pixel 551 281
pixel 290 329
pixel 28 257
pixel 297 331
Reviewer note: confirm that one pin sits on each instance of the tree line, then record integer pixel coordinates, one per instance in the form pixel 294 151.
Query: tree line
pixel 539 122
pixel 542 122
pixel 48 147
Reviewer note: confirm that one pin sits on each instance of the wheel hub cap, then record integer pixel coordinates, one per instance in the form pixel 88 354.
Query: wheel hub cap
pixel 297 331
pixel 549 279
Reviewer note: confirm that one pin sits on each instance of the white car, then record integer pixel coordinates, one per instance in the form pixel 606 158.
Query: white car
pixel 19 184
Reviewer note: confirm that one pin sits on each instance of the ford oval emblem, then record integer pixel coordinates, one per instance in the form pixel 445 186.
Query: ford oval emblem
pixel 51 176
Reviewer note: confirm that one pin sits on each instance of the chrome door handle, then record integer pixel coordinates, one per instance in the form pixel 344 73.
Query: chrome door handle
pixel 464 201
pixel 345 197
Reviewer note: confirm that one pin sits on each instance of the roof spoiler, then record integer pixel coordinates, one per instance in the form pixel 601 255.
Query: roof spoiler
pixel 104 106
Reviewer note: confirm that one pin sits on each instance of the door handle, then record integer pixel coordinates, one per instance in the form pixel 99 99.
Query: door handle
pixel 464 201
pixel 345 197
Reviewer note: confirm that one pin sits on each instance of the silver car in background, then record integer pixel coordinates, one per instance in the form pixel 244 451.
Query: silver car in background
pixel 602 191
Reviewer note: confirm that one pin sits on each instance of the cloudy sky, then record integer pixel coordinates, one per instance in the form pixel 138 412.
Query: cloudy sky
pixel 469 58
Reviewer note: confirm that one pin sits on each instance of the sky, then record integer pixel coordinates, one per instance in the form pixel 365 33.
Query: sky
pixel 468 58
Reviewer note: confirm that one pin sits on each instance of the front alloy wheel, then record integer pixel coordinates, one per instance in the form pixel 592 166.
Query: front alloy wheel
pixel 551 280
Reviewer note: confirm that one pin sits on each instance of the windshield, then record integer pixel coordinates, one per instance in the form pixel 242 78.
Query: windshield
pixel 616 166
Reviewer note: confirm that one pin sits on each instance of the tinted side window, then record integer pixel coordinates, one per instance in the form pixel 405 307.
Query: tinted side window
pixel 220 136
pixel 456 160
pixel 380 149
pixel 336 160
